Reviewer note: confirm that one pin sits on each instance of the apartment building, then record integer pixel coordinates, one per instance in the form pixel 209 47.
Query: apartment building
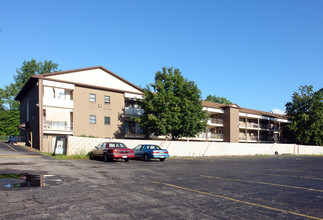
pixel 83 102
pixel 231 123
pixel 96 102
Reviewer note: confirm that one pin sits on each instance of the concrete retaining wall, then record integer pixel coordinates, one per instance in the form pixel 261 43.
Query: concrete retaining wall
pixel 81 145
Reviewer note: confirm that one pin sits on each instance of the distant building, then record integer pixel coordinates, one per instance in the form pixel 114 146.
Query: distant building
pixel 96 102
pixel 231 123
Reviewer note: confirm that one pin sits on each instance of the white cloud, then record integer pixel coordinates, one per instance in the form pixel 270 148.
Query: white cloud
pixel 278 111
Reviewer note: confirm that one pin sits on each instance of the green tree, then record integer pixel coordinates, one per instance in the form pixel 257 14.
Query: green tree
pixel 218 99
pixel 9 121
pixel 28 69
pixel 173 106
pixel 8 94
pixel 306 113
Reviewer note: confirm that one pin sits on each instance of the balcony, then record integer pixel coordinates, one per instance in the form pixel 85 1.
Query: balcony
pixel 264 126
pixel 242 137
pixel 131 133
pixel 248 138
pixel 211 136
pixel 252 138
pixel 54 102
pixel 215 121
pixel 274 127
pixel 133 111
pixel 250 125
pixel 58 126
pixel 242 124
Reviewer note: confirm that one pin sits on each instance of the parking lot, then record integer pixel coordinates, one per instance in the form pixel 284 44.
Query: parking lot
pixel 261 187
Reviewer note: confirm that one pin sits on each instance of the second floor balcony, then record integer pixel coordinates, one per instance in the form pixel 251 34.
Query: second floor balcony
pixel 57 126
pixel 215 121
pixel 54 102
pixel 211 136
pixel 249 125
pixel 248 138
pixel 133 111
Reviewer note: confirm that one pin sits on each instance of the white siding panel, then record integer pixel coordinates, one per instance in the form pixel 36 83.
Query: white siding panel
pixel 95 77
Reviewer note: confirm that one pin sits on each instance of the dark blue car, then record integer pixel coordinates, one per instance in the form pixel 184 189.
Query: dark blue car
pixel 150 151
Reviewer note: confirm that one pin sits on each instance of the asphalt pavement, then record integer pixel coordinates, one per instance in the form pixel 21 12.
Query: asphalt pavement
pixel 261 187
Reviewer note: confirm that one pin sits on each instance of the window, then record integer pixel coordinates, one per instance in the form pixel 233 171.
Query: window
pixel 138 147
pixel 92 97
pixel 92 119
pixel 106 120
pixel 107 99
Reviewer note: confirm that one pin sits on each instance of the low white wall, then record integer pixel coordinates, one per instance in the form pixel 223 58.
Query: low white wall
pixel 81 145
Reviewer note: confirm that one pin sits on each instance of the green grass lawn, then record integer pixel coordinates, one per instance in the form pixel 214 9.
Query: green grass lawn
pixel 66 157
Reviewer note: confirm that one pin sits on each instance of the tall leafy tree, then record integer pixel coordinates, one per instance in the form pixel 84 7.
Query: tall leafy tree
pixel 10 107
pixel 28 69
pixel 172 106
pixel 218 99
pixel 306 113
pixel 9 121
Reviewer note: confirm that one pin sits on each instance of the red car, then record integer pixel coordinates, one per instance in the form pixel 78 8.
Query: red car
pixel 112 150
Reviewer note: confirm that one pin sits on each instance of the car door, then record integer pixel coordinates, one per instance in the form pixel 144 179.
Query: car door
pixel 102 149
pixel 96 149
pixel 138 151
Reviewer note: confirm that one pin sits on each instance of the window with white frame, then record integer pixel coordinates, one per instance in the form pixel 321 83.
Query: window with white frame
pixel 92 119
pixel 92 97
pixel 107 99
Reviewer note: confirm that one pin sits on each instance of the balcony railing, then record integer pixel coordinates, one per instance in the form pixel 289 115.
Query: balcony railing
pixel 134 133
pixel 133 111
pixel 264 126
pixel 63 103
pixel 242 137
pixel 243 124
pixel 249 138
pixel 252 125
pixel 215 121
pixel 58 126
pixel 274 127
pixel 253 138
pixel 211 135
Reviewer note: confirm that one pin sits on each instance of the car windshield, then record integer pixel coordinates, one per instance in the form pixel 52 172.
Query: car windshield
pixel 117 145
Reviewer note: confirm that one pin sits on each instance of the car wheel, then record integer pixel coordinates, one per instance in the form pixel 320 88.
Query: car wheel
pixel 105 158
pixel 145 157
pixel 91 156
pixel 161 159
pixel 127 159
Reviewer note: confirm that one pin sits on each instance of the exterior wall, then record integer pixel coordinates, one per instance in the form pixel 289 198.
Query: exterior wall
pixel 48 143
pixel 29 114
pixel 231 125
pixel 83 108
pixel 79 145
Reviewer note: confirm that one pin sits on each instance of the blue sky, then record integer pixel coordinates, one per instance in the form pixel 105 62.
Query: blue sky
pixel 256 53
